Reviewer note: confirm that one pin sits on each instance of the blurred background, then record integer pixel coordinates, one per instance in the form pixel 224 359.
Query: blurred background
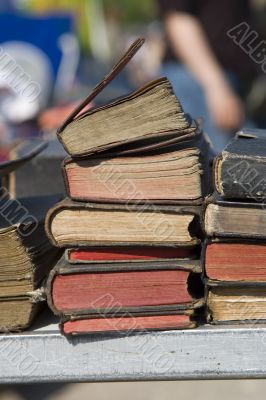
pixel 52 53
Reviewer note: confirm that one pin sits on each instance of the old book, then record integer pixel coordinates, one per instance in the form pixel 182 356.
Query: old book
pixel 237 304
pixel 234 219
pixel 26 255
pixel 127 323
pixel 87 289
pixel 235 261
pixel 119 254
pixel 240 169
pixel 17 313
pixel 148 118
pixel 168 177
pixel 76 224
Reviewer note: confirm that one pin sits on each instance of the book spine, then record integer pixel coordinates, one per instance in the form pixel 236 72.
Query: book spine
pixel 239 177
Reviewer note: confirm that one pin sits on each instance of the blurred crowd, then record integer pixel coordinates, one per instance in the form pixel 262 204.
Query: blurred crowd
pixel 53 53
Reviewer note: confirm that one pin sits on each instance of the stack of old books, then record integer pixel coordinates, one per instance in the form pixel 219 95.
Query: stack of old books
pixel 26 255
pixel 235 221
pixel 130 226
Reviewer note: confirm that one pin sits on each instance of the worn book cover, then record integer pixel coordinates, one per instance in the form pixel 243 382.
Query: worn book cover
pixel 149 118
pixel 240 169
pixel 77 224
pixel 235 219
pixel 138 288
pixel 26 257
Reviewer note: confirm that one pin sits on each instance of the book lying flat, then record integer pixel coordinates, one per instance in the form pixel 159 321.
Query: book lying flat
pixel 237 304
pixel 148 118
pixel 119 254
pixel 240 169
pixel 236 261
pixel 168 177
pixel 127 323
pixel 234 219
pixel 84 289
pixel 76 224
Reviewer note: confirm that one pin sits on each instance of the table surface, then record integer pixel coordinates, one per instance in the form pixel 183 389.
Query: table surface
pixel 208 352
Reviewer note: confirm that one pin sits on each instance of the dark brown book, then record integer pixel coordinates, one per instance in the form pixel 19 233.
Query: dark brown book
pixel 240 169
pixel 146 119
pixel 138 288
pixel 76 224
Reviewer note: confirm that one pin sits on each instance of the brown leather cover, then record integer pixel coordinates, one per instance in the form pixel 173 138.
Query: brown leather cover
pixel 68 204
pixel 145 143
pixel 105 81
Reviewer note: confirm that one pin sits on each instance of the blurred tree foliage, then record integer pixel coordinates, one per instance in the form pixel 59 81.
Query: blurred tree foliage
pixel 132 11
pixel 124 12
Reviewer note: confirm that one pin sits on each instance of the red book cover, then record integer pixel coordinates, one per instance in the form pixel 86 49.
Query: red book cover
pixel 236 262
pixel 91 291
pixel 120 254
pixel 126 324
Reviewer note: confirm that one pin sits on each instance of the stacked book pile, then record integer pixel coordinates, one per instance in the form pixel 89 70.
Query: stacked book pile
pixel 235 222
pixel 26 255
pixel 135 179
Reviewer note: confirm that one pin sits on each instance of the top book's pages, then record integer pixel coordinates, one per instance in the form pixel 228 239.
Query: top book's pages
pixel 240 169
pixel 147 118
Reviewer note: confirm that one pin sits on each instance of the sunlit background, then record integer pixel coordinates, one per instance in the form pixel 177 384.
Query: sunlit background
pixel 66 47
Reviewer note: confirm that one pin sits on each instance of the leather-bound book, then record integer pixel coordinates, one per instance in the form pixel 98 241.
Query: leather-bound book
pixel 126 323
pixel 236 219
pixel 177 174
pixel 149 118
pixel 235 260
pixel 138 288
pixel 240 169
pixel 77 224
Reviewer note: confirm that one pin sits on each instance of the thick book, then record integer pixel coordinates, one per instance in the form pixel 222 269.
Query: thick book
pixel 236 304
pixel 26 257
pixel 127 323
pixel 235 261
pixel 130 254
pixel 236 219
pixel 17 313
pixel 26 254
pixel 146 119
pixel 76 224
pixel 88 289
pixel 240 169
pixel 172 176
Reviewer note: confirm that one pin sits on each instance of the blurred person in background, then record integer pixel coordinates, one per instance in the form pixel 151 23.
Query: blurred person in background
pixel 211 75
